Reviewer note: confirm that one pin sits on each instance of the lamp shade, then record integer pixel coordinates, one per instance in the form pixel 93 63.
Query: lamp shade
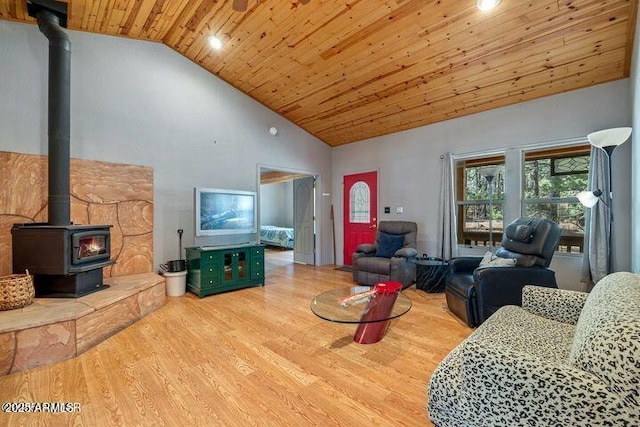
pixel 589 198
pixel 489 172
pixel 609 137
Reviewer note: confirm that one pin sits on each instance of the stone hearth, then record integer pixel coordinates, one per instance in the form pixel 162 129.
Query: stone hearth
pixel 52 330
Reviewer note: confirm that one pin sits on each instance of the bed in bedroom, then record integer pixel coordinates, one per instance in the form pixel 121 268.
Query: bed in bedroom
pixel 276 236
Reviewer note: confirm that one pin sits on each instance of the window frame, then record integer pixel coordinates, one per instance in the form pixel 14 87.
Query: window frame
pixel 513 206
pixel 568 241
pixel 491 159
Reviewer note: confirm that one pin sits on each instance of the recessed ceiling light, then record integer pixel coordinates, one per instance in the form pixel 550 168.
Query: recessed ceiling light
pixel 487 4
pixel 215 42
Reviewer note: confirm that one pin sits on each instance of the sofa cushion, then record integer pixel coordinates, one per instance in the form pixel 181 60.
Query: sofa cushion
pixel 607 338
pixel 491 260
pixel 516 328
pixel 388 244
pixel 561 305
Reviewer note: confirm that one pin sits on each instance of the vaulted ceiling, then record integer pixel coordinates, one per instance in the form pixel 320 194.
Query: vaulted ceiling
pixel 347 70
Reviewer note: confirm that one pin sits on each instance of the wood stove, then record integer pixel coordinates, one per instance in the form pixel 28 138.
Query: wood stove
pixel 66 261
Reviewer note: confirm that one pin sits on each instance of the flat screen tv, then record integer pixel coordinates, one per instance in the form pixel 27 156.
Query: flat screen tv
pixel 221 212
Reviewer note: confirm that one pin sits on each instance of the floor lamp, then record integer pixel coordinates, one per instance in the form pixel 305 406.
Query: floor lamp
pixel 489 173
pixel 607 140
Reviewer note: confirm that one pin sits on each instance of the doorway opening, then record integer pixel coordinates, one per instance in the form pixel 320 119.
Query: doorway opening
pixel 287 213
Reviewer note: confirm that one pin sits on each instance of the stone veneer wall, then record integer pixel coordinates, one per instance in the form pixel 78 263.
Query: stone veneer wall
pixel 101 193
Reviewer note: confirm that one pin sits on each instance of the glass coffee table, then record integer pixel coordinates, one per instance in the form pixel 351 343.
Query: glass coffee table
pixel 361 305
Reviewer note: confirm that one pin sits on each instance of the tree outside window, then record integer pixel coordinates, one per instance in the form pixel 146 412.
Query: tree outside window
pixel 552 178
pixel 476 216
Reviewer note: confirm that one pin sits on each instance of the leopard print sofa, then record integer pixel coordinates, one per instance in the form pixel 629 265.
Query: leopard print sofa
pixel 564 358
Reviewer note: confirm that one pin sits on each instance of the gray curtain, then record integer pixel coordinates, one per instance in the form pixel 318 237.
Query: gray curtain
pixel 595 264
pixel 447 228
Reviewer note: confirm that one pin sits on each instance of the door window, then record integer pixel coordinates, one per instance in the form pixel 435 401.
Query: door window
pixel 359 197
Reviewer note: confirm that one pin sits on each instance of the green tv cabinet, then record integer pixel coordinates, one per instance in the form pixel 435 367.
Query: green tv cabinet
pixel 215 269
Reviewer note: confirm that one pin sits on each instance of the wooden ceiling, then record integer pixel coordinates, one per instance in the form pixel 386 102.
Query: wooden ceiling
pixel 274 177
pixel 346 70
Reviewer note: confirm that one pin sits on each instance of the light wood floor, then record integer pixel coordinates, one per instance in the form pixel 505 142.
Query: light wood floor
pixel 256 356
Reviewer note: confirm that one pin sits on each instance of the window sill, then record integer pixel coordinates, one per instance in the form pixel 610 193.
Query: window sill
pixel 568 255
pixel 466 250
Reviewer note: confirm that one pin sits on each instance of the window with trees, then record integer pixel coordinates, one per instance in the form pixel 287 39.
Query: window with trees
pixel 479 197
pixel 552 178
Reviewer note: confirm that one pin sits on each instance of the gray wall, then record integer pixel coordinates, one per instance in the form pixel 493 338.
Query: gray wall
pixel 138 102
pixel 409 166
pixel 635 138
pixel 276 204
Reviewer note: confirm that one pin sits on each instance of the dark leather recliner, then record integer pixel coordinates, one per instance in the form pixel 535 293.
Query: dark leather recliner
pixel 369 269
pixel 474 293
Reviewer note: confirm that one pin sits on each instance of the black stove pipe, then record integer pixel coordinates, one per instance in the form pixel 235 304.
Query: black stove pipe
pixel 49 22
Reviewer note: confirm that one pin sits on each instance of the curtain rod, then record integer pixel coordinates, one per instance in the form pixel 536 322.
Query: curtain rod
pixel 526 147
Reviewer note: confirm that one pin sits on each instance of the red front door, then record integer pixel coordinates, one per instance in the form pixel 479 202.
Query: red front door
pixel 360 211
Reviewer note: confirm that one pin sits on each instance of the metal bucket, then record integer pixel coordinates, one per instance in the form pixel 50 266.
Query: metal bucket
pixel 174 266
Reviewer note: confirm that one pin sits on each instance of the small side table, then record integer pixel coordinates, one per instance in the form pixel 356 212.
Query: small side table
pixel 431 274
